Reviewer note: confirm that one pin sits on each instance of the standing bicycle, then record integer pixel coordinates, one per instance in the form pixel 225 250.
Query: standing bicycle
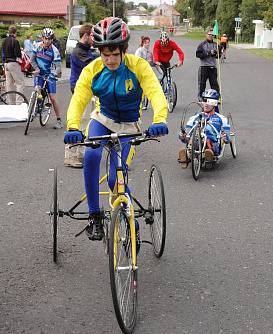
pixel 39 103
pixel 46 61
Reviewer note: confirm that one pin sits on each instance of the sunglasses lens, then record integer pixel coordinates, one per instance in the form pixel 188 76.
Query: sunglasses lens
pixel 204 99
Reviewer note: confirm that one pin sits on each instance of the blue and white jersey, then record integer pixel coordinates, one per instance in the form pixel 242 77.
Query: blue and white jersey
pixel 45 58
pixel 218 123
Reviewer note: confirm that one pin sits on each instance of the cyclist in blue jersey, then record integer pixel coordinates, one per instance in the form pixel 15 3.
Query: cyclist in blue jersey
pixel 118 80
pixel 46 61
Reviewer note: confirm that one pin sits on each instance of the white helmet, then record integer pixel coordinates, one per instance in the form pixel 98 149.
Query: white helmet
pixel 48 33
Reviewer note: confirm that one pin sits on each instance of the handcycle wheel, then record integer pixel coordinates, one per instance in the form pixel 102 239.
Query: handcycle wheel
pixel 31 111
pixel 123 278
pixel 232 137
pixel 196 152
pixel 46 111
pixel 158 208
pixel 13 97
pixel 54 214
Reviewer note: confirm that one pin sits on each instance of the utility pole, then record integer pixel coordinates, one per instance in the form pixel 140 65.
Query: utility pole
pixel 71 13
pixel 114 9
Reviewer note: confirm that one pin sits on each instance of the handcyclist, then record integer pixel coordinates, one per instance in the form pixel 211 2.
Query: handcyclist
pixel 46 61
pixel 163 52
pixel 218 128
pixel 118 80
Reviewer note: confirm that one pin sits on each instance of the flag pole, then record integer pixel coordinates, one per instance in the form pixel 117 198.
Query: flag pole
pixel 216 33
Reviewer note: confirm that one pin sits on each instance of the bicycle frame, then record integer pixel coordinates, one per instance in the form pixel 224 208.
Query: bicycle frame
pixel 120 197
pixel 168 76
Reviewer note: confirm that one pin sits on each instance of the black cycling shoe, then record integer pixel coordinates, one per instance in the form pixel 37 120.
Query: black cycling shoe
pixel 94 230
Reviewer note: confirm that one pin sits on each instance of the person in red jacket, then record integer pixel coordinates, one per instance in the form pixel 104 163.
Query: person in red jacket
pixel 163 51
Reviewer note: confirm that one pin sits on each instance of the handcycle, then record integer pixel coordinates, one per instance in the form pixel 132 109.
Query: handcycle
pixel 169 87
pixel 121 235
pixel 39 104
pixel 197 141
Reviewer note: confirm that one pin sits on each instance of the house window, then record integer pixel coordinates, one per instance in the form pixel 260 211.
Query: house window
pixel 160 12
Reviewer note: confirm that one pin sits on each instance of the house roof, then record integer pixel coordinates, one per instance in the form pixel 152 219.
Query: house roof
pixel 34 7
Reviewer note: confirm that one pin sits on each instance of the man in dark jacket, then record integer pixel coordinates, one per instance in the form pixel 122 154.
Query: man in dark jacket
pixel 207 52
pixel 81 56
pixel 11 54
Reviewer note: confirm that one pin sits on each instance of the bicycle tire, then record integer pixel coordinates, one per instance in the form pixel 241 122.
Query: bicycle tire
pixel 232 143
pixel 54 215
pixel 31 107
pixel 44 115
pixel 170 98
pixel 174 88
pixel 157 197
pixel 123 279
pixel 196 158
pixel 17 96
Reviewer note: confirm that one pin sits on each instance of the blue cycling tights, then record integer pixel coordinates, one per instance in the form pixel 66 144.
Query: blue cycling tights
pixel 91 167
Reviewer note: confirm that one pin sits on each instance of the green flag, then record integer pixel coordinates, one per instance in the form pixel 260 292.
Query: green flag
pixel 216 28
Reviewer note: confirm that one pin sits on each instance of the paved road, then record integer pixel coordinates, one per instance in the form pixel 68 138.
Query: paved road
pixel 216 272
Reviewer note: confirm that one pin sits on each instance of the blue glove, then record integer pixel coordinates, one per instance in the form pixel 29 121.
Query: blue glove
pixel 73 137
pixel 158 129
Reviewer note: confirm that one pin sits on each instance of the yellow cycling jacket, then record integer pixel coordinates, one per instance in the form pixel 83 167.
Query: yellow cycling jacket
pixel 120 92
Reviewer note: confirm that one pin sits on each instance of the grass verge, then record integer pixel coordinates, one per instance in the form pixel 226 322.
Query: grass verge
pixel 265 53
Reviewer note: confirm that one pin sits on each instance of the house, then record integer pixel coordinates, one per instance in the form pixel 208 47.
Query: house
pixel 166 15
pixel 139 16
pixel 263 36
pixel 32 11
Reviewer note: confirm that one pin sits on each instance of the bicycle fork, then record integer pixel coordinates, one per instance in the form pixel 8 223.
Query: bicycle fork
pixel 123 199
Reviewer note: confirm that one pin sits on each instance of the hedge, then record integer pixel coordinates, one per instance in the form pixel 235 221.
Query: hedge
pixel 60 30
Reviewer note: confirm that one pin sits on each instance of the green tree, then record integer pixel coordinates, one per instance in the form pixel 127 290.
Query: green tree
pixel 130 5
pixel 151 8
pixel 143 4
pixel 210 7
pixel 249 10
pixel 226 12
pixel 197 11
pixel 267 11
pixel 99 9
pixel 182 6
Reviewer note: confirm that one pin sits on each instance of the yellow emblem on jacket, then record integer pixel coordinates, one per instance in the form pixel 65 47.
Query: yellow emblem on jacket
pixel 129 85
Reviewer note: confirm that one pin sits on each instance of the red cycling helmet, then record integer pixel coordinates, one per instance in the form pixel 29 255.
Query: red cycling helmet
pixel 110 31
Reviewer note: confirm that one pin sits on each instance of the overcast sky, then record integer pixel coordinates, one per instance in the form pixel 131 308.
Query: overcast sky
pixel 152 2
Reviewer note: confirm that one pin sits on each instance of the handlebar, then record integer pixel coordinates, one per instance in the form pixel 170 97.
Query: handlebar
pixel 168 68
pixel 138 138
pixel 46 77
